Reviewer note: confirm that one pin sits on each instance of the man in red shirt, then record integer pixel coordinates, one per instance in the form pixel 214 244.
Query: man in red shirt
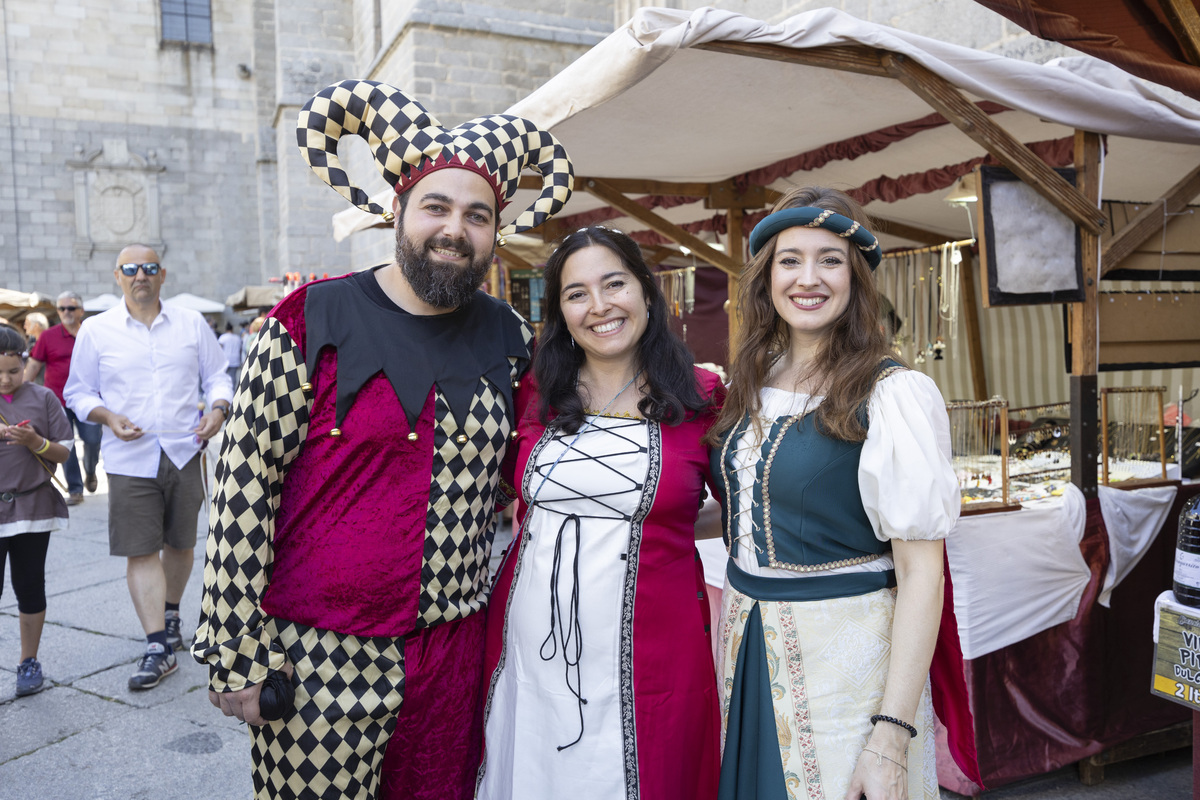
pixel 53 351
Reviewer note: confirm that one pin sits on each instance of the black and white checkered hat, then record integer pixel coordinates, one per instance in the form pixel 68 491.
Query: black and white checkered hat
pixel 408 144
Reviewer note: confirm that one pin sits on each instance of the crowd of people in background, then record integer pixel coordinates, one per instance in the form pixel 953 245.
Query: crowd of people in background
pixel 38 418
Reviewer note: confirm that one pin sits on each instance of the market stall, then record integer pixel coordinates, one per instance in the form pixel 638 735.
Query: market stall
pixel 684 128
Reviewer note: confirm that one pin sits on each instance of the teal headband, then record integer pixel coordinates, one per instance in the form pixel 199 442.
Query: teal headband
pixel 808 217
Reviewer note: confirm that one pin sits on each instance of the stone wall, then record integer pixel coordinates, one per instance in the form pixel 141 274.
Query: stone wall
pixel 117 137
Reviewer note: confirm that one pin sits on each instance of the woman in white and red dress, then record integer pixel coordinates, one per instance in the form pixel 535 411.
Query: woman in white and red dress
pixel 599 654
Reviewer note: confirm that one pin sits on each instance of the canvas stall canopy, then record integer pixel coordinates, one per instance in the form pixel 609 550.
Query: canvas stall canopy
pixel 251 298
pixel 196 303
pixel 15 305
pixel 101 302
pixel 683 128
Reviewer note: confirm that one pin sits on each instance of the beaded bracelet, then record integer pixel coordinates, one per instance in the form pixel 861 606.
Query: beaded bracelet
pixel 912 732
pixel 45 446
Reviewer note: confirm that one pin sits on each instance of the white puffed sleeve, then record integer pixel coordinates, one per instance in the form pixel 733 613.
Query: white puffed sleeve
pixel 907 483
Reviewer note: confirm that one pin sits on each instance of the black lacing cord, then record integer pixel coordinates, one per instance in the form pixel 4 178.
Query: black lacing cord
pixel 573 631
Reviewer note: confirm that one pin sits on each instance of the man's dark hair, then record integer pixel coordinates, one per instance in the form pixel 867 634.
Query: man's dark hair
pixel 229 327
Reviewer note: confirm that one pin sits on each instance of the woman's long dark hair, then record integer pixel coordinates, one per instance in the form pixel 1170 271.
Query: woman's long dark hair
pixel 671 392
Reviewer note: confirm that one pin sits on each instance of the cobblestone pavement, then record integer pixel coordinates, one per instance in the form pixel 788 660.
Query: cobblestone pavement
pixel 88 737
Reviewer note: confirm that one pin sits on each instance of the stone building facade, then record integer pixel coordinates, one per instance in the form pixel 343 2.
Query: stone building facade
pixel 118 130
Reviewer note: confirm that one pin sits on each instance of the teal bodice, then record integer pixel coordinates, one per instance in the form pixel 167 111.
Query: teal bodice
pixel 807 511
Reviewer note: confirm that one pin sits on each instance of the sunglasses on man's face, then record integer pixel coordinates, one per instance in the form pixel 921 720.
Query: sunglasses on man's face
pixel 65 309
pixel 129 270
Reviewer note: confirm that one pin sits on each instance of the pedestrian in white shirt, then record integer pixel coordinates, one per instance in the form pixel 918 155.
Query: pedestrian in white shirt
pixel 231 343
pixel 137 369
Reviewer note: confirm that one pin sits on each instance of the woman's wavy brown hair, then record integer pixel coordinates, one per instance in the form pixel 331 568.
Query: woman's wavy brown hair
pixel 845 366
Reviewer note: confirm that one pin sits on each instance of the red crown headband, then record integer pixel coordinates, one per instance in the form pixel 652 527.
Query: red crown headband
pixel 408 143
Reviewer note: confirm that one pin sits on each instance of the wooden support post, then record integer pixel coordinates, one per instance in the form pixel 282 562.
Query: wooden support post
pixel 661 225
pixel 970 309
pixel 494 280
pixel 1084 322
pixel 736 250
pixel 946 99
pixel 910 232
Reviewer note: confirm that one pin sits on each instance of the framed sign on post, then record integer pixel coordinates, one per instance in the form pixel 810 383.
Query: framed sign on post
pixel 1029 250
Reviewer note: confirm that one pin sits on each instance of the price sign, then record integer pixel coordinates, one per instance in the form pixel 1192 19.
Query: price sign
pixel 1177 656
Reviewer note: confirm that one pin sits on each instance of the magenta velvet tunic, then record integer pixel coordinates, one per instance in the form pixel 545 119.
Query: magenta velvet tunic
pixel 675 736
pixel 359 481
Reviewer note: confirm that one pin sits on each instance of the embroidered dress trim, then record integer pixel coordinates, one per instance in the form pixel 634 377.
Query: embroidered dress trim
pixel 616 414
pixel 805 741
pixel 628 721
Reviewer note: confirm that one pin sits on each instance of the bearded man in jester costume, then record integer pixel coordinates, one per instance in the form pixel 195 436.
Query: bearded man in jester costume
pixel 357 490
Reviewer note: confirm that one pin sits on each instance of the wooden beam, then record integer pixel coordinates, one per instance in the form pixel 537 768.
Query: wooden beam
pixel 846 58
pixel 1185 24
pixel 952 104
pixel 659 254
pixel 632 186
pixel 970 309
pixel 1149 221
pixel 726 195
pixel 910 232
pixel 605 191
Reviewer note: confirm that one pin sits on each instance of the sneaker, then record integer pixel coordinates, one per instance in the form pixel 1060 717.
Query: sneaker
pixel 156 664
pixel 29 677
pixel 89 483
pixel 174 634
pixel 74 499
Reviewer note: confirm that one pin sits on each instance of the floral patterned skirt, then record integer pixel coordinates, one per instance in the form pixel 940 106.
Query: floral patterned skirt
pixel 817 669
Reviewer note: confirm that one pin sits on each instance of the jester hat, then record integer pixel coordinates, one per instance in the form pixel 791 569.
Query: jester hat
pixel 408 143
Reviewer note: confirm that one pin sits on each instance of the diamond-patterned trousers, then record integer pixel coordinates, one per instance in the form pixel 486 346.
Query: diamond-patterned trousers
pixel 352 693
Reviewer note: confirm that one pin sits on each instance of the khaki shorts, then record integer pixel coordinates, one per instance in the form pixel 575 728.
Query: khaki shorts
pixel 146 513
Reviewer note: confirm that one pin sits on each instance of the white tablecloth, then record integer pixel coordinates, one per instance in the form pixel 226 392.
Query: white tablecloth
pixel 1133 518
pixel 1017 573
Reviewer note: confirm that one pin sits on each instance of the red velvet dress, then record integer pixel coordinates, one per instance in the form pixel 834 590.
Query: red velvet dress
pixel 649 725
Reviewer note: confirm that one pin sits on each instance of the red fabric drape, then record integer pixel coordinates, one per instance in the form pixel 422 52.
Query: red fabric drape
pixel 949 688
pixel 1132 34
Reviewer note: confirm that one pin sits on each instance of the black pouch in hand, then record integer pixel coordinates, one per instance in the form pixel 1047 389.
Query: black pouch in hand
pixel 277 696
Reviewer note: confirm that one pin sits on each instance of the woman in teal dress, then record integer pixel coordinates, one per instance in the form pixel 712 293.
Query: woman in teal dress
pixel 833 460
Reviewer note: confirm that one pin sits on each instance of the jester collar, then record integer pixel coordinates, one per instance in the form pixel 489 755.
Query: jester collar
pixel 450 351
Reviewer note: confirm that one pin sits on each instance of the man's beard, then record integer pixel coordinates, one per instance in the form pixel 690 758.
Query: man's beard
pixel 435 282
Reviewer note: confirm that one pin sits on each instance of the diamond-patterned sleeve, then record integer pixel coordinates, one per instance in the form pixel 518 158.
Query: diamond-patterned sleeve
pixel 264 433
pixel 524 398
